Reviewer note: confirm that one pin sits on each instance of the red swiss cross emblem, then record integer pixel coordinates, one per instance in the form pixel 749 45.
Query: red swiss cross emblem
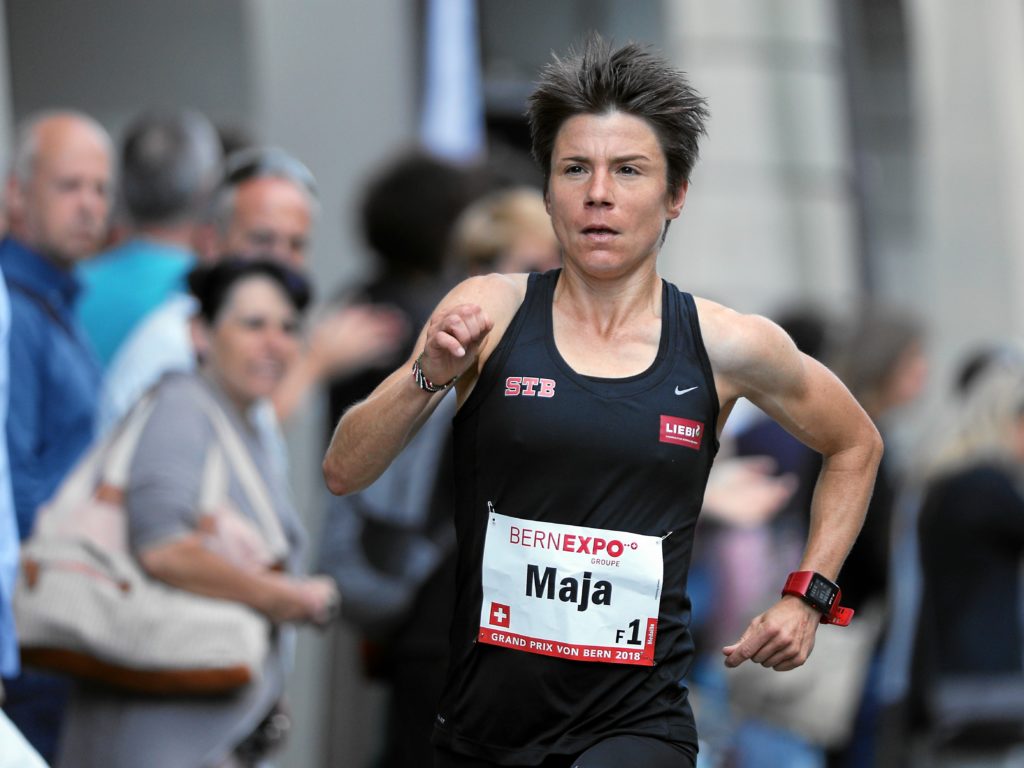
pixel 500 615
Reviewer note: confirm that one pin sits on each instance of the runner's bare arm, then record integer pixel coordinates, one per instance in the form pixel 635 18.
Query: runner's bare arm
pixel 754 358
pixel 456 341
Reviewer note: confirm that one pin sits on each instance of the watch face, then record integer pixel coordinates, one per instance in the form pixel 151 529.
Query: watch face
pixel 821 593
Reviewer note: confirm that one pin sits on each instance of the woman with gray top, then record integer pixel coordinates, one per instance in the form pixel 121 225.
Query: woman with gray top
pixel 245 333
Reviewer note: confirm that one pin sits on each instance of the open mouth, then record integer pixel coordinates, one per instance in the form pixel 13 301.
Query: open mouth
pixel 598 231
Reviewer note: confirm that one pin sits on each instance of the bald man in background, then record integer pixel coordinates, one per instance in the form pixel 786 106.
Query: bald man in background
pixel 58 194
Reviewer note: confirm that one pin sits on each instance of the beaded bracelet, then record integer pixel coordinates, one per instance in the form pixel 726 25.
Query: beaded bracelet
pixel 426 384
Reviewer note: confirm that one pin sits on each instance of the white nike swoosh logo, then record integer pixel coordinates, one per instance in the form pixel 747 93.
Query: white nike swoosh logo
pixel 684 391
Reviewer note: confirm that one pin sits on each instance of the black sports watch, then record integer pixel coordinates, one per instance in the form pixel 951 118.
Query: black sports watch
pixel 820 593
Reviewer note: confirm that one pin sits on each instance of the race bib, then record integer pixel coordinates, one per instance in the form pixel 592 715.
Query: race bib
pixel 564 590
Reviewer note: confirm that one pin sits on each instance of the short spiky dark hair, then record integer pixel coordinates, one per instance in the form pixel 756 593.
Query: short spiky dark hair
pixel 631 79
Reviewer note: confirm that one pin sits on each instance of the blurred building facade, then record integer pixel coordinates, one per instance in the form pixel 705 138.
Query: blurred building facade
pixel 855 150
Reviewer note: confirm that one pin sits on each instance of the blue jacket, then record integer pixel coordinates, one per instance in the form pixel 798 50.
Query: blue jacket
pixel 55 379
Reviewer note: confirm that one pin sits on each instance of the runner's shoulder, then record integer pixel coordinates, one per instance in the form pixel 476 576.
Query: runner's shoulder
pixel 498 295
pixel 734 340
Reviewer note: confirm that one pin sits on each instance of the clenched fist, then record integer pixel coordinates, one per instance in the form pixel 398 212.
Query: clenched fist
pixel 453 339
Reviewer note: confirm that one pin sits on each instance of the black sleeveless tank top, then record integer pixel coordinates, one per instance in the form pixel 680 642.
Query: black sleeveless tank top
pixel 595 452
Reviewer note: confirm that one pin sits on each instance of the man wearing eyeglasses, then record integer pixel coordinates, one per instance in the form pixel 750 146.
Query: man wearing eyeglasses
pixel 267 204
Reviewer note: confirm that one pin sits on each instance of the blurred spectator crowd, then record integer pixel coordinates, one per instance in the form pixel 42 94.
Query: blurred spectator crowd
pixel 170 269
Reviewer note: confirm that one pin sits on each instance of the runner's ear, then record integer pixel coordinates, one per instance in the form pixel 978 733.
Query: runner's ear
pixel 676 201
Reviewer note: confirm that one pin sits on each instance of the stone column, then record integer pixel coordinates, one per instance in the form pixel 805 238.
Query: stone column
pixel 770 218
pixel 967 64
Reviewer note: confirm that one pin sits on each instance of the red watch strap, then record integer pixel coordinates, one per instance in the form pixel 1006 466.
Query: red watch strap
pixel 798 583
pixel 839 615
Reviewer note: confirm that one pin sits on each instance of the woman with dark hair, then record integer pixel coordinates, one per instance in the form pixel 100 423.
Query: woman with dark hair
pixel 245 332
pixel 590 400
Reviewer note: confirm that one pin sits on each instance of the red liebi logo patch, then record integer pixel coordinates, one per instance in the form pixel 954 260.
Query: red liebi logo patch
pixel 678 431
